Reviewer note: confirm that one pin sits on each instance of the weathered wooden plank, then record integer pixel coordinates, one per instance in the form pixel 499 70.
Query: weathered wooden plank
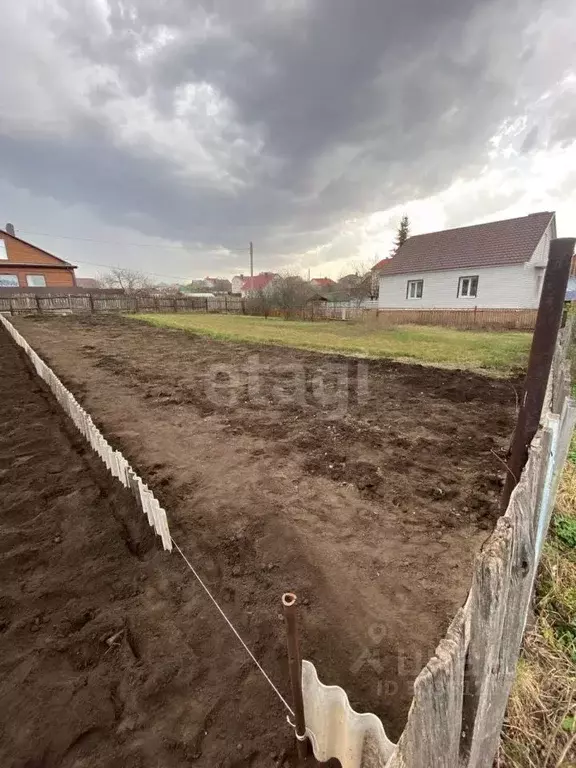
pixel 503 582
pixel 487 613
pixel 432 733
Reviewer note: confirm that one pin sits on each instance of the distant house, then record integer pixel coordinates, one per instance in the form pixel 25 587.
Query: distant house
pixel 218 284
pixel 88 282
pixel 237 283
pixel 258 283
pixel 496 265
pixel 23 265
pixel 324 283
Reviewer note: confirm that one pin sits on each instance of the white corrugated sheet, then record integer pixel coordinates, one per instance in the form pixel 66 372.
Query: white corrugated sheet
pixel 336 730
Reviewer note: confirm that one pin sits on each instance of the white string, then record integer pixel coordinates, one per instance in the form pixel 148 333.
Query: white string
pixel 227 620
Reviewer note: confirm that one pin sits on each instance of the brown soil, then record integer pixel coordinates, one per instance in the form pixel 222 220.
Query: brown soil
pixel 109 654
pixel 373 515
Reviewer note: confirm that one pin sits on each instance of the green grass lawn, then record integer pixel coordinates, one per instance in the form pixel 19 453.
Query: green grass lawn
pixel 489 350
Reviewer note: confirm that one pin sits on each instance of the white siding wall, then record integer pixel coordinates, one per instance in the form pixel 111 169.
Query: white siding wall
pixel 515 287
pixel 540 255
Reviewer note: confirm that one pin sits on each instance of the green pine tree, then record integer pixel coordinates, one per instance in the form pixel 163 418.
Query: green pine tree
pixel 402 234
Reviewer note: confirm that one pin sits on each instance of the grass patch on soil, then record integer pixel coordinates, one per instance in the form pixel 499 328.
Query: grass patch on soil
pixel 540 729
pixel 494 351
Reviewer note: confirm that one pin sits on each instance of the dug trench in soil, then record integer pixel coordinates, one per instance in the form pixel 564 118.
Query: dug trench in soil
pixel 110 655
pixel 371 512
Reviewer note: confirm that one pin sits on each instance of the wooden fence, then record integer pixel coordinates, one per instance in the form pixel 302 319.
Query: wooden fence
pixel 89 302
pixel 460 696
pixel 63 303
pixel 466 319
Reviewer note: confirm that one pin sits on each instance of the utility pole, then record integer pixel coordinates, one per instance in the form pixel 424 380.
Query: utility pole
pixel 251 263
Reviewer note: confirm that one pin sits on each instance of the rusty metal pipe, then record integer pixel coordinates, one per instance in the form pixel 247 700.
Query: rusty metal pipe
pixel 289 600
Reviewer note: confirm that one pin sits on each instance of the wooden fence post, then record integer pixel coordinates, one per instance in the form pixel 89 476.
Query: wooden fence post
pixel 38 305
pixel 540 361
pixel 91 299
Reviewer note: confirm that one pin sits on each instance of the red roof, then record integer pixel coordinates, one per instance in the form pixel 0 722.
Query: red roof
pixel 496 244
pixel 322 282
pixel 258 282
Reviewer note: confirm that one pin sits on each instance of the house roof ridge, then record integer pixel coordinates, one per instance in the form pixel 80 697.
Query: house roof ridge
pixel 493 243
pixel 38 248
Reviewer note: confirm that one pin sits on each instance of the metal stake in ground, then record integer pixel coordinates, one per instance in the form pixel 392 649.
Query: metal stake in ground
pixel 295 665
pixel 540 361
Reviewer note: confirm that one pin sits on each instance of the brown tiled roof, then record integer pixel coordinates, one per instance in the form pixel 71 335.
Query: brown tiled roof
pixel 495 244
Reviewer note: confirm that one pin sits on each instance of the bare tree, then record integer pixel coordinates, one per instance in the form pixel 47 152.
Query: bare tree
pixel 289 292
pixel 357 283
pixel 129 280
pixel 259 302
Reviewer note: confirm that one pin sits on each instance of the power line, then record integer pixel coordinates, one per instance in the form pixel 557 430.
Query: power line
pixel 14 249
pixel 121 242
pixel 91 264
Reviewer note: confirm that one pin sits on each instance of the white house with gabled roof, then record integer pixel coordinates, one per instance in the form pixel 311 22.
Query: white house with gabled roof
pixel 498 265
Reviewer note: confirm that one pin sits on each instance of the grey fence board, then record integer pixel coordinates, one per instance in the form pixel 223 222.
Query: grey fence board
pixel 432 733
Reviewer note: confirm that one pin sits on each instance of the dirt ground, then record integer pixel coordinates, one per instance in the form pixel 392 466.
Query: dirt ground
pixel 109 654
pixel 370 509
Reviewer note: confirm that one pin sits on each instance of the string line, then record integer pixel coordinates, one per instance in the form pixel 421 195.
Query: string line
pixel 227 620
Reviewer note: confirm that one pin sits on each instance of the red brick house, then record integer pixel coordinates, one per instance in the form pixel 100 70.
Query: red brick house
pixel 23 265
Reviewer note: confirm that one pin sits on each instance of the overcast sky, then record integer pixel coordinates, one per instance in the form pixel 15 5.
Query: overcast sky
pixel 166 134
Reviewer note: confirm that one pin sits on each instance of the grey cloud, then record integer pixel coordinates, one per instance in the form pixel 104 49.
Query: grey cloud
pixel 530 141
pixel 564 127
pixel 358 107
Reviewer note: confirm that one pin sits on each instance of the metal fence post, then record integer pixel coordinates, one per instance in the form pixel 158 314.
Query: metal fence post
pixel 295 669
pixel 540 360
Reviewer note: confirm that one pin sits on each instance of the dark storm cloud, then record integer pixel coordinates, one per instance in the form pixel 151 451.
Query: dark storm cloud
pixel 356 107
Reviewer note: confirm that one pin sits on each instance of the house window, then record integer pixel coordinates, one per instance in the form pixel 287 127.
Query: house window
pixel 414 289
pixel 3 253
pixel 468 287
pixel 9 281
pixel 36 281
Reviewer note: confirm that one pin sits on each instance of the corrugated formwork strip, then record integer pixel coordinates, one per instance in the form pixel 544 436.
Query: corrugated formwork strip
pixel 336 730
pixel 114 460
